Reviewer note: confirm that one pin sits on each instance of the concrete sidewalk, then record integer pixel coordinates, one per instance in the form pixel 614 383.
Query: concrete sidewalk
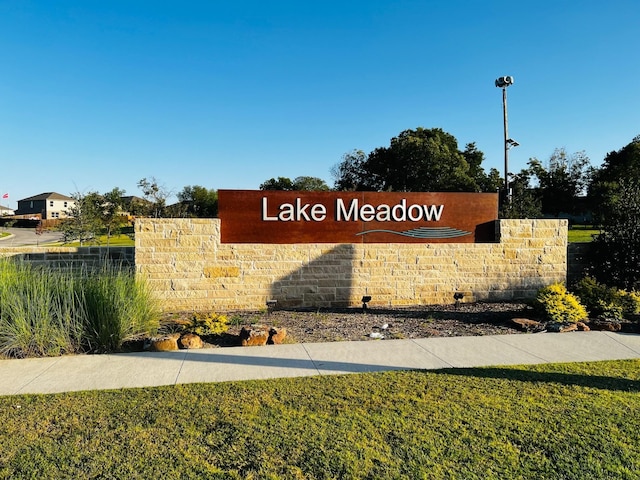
pixel 147 369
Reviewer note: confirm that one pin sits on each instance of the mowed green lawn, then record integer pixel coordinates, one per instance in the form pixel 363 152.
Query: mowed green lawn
pixel 569 421
pixel 102 240
pixel 582 235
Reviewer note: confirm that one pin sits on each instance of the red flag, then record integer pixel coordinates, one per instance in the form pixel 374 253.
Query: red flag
pixel 6 195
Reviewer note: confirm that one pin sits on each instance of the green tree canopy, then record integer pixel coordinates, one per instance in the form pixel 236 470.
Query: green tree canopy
pixel 84 221
pixel 561 181
pixel 416 160
pixel 299 183
pixel 199 201
pixel 617 165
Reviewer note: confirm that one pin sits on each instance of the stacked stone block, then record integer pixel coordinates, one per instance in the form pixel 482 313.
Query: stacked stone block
pixel 190 269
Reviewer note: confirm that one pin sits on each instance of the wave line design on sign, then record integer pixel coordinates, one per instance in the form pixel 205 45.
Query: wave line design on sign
pixel 424 232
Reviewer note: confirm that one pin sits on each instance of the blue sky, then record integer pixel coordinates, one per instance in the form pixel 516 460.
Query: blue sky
pixel 227 94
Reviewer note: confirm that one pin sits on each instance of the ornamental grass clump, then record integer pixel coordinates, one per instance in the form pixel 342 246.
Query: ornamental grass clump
pixel 40 313
pixel 559 305
pixel 50 312
pixel 119 307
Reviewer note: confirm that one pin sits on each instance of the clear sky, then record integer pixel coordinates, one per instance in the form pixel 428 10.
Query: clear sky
pixel 99 94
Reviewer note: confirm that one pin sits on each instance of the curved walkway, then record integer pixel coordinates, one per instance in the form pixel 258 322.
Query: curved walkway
pixel 147 369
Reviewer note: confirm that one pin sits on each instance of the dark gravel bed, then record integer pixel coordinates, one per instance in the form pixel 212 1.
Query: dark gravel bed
pixel 354 324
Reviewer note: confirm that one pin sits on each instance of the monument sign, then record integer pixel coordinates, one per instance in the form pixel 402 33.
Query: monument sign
pixel 275 216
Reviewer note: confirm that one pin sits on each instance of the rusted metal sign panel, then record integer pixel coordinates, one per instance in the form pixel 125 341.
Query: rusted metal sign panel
pixel 255 216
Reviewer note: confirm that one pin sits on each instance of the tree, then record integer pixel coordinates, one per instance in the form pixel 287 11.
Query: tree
pixel 605 181
pixel 562 181
pixel 615 253
pixel 299 183
pixel 347 175
pixel 112 211
pixel 156 195
pixel 199 201
pixel 84 218
pixel 525 201
pixel 416 160
pixel 281 183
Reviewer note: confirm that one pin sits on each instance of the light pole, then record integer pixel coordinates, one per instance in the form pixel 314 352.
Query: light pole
pixel 503 83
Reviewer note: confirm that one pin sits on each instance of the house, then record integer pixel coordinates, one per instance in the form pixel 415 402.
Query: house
pixel 46 205
pixel 5 211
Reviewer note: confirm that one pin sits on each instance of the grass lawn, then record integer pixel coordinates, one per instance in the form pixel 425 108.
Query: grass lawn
pixel 570 421
pixel 114 241
pixel 580 235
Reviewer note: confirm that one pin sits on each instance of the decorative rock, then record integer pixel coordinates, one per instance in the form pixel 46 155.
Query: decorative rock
pixel 571 327
pixel 554 327
pixel 190 341
pixel 605 325
pixel 525 323
pixel 582 327
pixel 250 337
pixel 277 335
pixel 165 344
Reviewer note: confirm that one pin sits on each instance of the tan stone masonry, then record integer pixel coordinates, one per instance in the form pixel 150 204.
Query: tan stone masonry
pixel 189 268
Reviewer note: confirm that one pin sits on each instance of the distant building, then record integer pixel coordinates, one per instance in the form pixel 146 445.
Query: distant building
pixel 5 211
pixel 48 205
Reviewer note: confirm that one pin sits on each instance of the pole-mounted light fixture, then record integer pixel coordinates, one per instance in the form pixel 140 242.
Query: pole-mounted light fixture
pixel 503 83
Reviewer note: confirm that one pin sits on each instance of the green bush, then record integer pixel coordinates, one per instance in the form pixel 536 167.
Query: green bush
pixel 606 302
pixel 559 305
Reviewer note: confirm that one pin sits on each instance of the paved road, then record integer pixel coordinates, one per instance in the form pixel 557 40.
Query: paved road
pixel 27 236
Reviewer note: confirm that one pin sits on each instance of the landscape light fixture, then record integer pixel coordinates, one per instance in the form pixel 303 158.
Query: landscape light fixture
pixel 366 299
pixel 503 83
pixel 271 305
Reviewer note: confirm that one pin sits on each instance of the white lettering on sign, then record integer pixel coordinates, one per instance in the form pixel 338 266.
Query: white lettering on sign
pixel 353 212
pixel 295 212
pixel 385 213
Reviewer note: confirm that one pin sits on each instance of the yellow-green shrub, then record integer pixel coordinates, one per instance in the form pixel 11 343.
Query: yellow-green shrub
pixel 207 323
pixel 559 305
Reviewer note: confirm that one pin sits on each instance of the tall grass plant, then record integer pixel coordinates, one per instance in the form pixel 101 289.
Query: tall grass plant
pixel 50 312
pixel 119 307
pixel 40 314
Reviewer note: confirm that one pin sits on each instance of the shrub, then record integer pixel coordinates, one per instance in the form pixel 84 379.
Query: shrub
pixel 207 323
pixel 606 302
pixel 614 256
pixel 558 305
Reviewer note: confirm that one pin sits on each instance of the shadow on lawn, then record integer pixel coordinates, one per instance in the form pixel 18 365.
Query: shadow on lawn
pixel 570 379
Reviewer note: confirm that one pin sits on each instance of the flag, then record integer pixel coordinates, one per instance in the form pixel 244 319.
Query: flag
pixel 6 195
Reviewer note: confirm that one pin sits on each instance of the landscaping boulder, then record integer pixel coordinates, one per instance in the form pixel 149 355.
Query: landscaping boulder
pixel 525 324
pixel 165 344
pixel 252 336
pixel 190 341
pixel 277 335
pixel 605 325
pixel 559 327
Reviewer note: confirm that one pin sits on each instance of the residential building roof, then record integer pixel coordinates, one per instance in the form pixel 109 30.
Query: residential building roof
pixel 47 196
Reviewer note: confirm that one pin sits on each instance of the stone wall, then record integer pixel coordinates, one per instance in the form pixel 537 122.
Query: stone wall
pixel 191 270
pixel 71 257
